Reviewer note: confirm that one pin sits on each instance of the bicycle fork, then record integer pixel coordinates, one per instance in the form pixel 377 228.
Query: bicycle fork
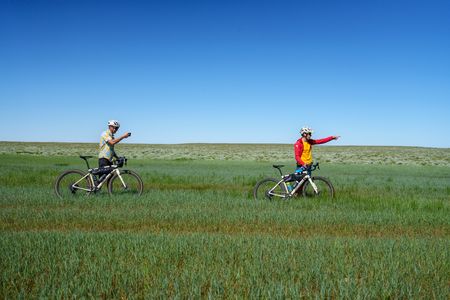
pixel 314 186
pixel 121 180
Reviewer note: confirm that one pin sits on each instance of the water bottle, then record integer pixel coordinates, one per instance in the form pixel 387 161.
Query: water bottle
pixel 289 187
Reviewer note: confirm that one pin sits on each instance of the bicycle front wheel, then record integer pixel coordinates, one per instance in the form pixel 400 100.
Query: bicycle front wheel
pixel 322 188
pixel 127 183
pixel 268 189
pixel 73 184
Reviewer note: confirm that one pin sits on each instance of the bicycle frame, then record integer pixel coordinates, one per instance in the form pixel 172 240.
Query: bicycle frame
pixel 292 193
pixel 99 186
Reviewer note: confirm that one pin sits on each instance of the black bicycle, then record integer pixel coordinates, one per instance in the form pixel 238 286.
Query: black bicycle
pixel 292 185
pixel 76 183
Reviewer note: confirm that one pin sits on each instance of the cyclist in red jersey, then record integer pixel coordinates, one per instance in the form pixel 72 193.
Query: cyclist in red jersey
pixel 303 148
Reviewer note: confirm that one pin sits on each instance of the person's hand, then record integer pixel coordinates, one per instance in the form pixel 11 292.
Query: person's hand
pixel 126 135
pixel 336 137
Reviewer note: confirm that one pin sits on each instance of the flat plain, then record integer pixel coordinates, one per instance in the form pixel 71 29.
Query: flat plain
pixel 197 232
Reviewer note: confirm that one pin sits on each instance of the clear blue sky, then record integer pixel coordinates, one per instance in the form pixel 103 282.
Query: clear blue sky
pixel 374 72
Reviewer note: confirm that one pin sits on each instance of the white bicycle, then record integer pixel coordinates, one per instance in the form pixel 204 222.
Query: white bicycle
pixel 292 185
pixel 76 183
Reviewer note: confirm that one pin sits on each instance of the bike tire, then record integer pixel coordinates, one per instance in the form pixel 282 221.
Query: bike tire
pixel 115 185
pixel 63 191
pixel 263 186
pixel 326 188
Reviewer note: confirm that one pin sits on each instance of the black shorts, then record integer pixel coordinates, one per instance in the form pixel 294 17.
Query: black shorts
pixel 103 162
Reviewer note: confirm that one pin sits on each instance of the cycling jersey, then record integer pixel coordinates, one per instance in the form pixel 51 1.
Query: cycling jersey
pixel 303 150
pixel 106 150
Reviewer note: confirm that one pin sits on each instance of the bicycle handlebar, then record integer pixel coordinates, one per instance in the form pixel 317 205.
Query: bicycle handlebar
pixel 309 169
pixel 120 161
pixel 314 166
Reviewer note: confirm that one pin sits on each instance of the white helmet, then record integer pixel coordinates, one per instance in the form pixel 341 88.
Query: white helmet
pixel 114 123
pixel 306 130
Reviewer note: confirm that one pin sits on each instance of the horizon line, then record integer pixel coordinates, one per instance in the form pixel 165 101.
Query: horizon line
pixel 220 143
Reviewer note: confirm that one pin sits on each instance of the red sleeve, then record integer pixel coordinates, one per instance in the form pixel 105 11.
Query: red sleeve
pixel 321 141
pixel 298 150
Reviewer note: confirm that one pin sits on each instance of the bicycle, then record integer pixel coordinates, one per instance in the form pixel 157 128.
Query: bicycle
pixel 292 185
pixel 76 183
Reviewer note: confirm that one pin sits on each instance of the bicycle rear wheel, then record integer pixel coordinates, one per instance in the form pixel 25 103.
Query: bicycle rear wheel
pixel 73 184
pixel 131 185
pixel 325 189
pixel 269 189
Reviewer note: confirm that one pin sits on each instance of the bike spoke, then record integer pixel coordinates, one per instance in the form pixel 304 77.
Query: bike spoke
pixel 126 184
pixel 269 189
pixel 73 184
pixel 324 189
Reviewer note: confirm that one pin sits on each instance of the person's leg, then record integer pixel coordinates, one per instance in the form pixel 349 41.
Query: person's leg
pixel 103 162
pixel 299 169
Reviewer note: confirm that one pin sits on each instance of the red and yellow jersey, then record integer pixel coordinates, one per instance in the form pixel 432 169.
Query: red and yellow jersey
pixel 303 150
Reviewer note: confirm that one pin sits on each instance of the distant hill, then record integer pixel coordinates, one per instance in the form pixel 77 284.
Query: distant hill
pixel 253 152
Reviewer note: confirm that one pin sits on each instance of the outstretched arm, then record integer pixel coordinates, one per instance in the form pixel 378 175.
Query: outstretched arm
pixel 115 141
pixel 325 140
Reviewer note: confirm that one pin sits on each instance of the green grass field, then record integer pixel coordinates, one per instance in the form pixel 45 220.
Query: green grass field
pixel 196 231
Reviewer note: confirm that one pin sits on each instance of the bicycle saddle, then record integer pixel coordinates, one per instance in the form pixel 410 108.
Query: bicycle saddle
pixel 278 166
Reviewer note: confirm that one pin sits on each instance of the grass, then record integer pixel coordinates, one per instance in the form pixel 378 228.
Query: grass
pixel 196 232
pixel 113 265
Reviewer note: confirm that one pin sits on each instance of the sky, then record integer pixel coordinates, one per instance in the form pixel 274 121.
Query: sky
pixel 373 72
